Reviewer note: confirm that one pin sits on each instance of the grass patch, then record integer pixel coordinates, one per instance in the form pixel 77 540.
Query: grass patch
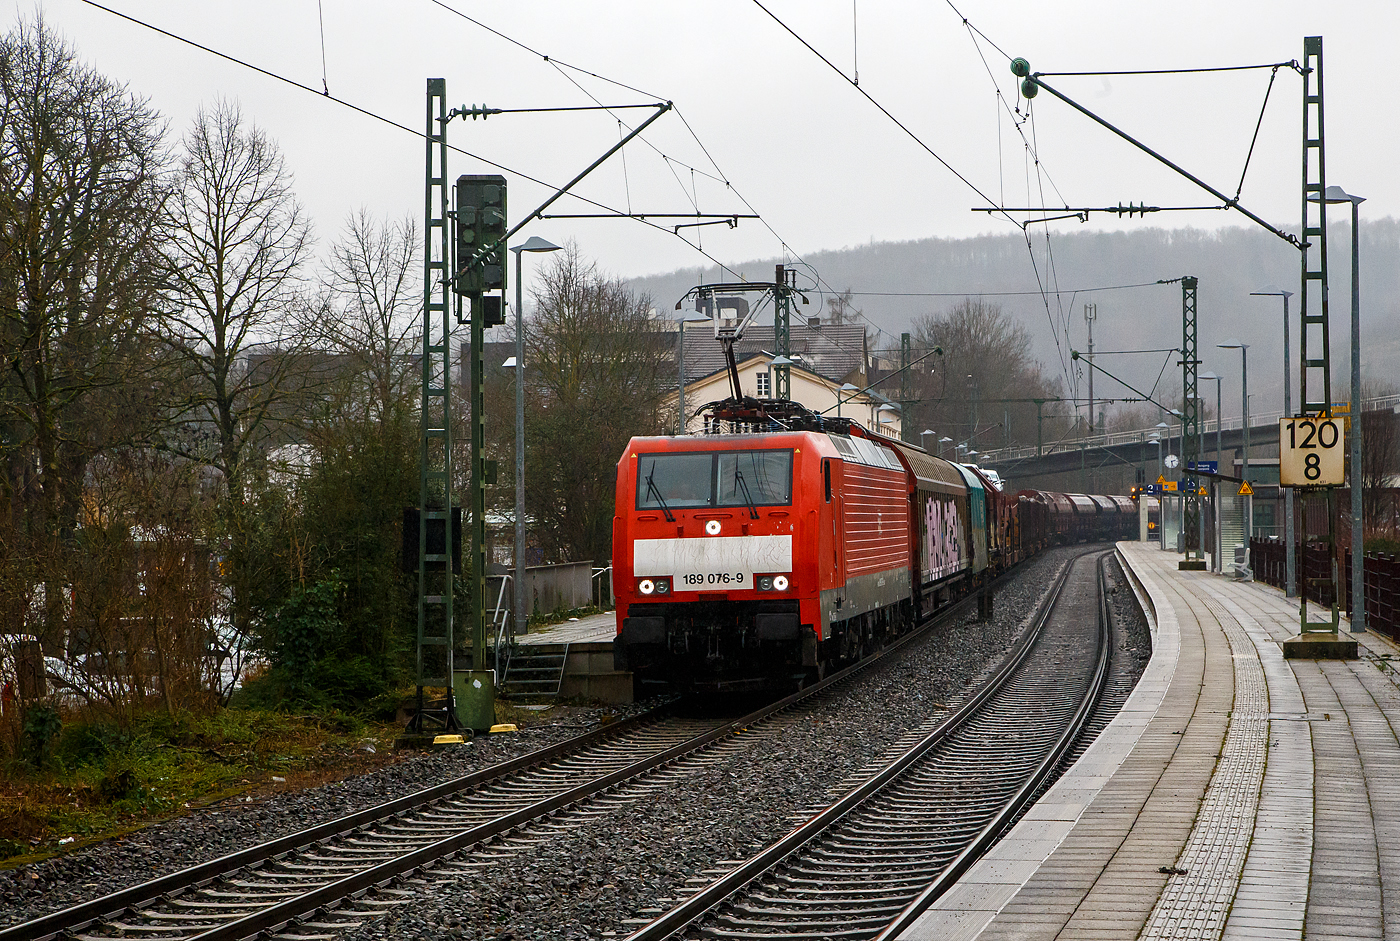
pixel 102 778
pixel 560 615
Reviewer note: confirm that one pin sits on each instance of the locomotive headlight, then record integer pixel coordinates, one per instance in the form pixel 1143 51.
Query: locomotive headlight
pixel 780 583
pixel 646 586
pixel 663 586
pixel 765 583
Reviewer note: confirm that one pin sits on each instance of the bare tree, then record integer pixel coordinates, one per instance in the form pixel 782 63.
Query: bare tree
pixel 369 314
pixel 81 187
pixel 1380 461
pixel 598 367
pixel 986 363
pixel 234 273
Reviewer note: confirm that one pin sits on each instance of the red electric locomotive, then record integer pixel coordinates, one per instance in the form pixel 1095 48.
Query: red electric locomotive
pixel 745 561
pixel 756 560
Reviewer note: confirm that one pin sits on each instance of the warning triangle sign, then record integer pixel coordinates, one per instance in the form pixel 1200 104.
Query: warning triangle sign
pixel 1161 481
pixel 1246 490
pixel 1202 492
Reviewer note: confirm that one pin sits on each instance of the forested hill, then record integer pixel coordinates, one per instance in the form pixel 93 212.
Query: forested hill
pixel 1230 263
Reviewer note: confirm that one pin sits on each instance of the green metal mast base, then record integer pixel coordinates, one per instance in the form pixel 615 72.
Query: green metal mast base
pixel 475 698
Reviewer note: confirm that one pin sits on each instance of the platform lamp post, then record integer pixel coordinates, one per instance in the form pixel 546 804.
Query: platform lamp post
pixel 849 389
pixel 1244 463
pixel 533 244
pixel 1215 484
pixel 1163 431
pixel 884 415
pixel 926 431
pixel 1290 575
pixel 942 441
pixel 689 316
pixel 1335 194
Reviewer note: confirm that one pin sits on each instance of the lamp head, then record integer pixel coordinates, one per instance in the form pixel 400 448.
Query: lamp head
pixel 535 244
pixel 1335 194
pixel 1233 344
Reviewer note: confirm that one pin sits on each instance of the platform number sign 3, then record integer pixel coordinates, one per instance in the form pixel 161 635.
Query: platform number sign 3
pixel 1311 452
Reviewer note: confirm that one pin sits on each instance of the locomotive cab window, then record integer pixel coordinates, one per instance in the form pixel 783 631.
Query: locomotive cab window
pixel 714 478
pixel 826 477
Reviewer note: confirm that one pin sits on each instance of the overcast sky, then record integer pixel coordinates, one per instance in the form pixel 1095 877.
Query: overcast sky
pixel 806 150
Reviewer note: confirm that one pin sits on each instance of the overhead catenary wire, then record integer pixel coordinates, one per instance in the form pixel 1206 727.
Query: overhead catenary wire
pixel 718 176
pixel 392 123
pixel 883 110
pixel 1293 63
pixel 321 19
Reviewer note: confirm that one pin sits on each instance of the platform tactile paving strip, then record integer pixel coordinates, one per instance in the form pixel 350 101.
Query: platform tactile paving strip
pixel 1195 903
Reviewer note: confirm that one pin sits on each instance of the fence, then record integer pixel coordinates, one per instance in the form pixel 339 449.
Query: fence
pixel 547 587
pixel 1382 580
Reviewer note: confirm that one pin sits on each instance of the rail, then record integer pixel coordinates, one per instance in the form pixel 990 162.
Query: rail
pixel 859 910
pixel 629 751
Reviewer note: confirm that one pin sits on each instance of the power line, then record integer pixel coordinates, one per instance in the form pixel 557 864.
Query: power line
pixel 391 122
pixel 1293 63
pixel 1111 287
pixel 719 175
pixel 883 110
pixel 559 63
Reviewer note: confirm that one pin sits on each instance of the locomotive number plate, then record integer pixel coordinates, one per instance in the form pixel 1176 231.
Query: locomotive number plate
pixel 714 579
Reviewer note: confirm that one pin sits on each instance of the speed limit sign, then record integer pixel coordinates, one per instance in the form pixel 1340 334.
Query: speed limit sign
pixel 1311 452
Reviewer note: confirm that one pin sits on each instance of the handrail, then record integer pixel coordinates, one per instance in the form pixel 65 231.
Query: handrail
pixel 596 574
pixel 504 616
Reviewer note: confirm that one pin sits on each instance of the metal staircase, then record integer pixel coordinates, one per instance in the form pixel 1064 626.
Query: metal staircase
pixel 534 670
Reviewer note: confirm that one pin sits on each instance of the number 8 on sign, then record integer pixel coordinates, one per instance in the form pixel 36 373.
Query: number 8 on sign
pixel 1311 452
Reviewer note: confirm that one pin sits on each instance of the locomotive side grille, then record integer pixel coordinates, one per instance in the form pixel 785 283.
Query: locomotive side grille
pixel 876 505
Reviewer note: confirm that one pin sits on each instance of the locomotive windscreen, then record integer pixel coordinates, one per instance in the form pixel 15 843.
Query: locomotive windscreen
pixel 714 478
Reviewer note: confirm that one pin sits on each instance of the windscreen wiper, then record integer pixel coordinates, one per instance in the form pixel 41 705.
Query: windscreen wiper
pixel 748 499
pixel 654 491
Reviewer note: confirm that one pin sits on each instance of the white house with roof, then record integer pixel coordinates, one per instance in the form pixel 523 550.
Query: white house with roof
pixel 819 393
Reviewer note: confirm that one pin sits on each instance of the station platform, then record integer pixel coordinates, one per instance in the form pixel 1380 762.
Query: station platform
pixel 594 629
pixel 1237 795
pixel 576 656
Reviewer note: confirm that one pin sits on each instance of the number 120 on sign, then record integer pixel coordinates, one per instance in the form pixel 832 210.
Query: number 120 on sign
pixel 1311 452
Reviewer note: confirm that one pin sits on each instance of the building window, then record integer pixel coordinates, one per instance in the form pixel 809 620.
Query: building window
pixel 764 386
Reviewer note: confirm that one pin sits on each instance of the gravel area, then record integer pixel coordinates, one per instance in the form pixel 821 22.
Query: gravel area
pixel 585 883
pixel 30 891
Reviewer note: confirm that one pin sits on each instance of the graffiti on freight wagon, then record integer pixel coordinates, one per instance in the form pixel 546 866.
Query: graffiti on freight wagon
pixel 944 538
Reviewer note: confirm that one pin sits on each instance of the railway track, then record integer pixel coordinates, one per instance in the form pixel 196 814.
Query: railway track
pixel 873 861
pixel 345 872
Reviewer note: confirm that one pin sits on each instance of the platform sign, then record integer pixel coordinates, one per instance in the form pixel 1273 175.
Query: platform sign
pixel 1311 452
pixel 1205 467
